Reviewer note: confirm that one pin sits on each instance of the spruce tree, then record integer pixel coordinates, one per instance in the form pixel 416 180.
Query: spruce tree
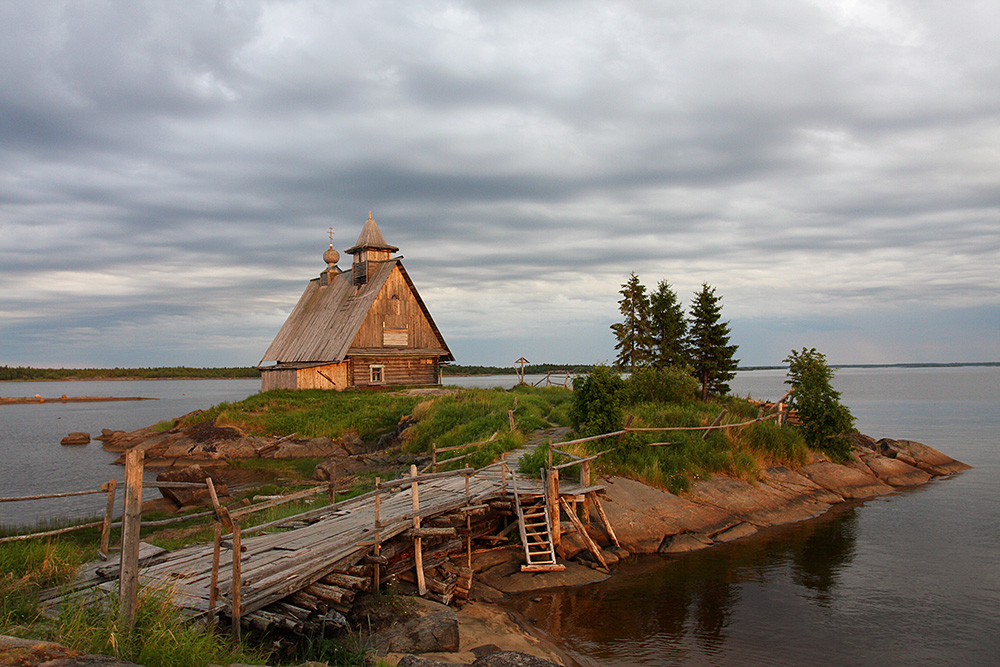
pixel 633 334
pixel 668 327
pixel 712 357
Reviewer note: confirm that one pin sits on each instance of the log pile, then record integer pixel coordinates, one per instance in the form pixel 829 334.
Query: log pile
pixel 323 605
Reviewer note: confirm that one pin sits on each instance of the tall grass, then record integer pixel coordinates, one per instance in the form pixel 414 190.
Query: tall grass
pixel 159 638
pixel 674 459
pixel 29 566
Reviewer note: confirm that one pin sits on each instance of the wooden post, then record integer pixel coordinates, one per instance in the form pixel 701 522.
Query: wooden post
pixel 333 481
pixel 591 545
pixel 715 423
pixel 781 413
pixel 109 512
pixel 468 525
pixel 434 457
pixel 604 519
pixel 554 507
pixel 503 473
pixel 213 589
pixel 418 554
pixel 585 481
pixel 376 573
pixel 237 609
pixel 128 583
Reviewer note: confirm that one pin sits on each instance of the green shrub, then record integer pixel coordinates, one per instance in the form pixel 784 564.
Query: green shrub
pixel 598 399
pixel 664 385
pixel 825 420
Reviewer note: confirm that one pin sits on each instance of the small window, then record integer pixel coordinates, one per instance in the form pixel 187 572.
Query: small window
pixel 376 374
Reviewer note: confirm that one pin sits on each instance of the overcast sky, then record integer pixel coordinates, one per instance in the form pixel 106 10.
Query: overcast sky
pixel 168 172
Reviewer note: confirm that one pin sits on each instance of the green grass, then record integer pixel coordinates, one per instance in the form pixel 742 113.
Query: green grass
pixel 312 413
pixel 29 566
pixel 739 452
pixel 159 638
pixel 301 469
pixel 462 417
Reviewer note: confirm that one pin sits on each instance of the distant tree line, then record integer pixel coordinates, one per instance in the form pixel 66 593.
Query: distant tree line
pixel 654 333
pixel 28 373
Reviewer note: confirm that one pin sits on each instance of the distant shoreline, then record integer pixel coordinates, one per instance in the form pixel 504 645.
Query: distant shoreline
pixel 485 371
pixel 957 364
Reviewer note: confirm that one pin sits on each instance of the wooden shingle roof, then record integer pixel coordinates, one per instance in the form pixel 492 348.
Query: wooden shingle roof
pixel 326 319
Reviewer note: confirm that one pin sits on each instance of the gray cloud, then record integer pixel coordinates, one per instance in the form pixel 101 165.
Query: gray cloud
pixel 168 172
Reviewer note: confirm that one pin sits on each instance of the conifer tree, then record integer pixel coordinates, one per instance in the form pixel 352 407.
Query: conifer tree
pixel 712 357
pixel 668 327
pixel 633 334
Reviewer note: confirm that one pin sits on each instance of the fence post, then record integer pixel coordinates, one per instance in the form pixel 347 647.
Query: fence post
pixel 715 423
pixel 554 506
pixel 585 481
pixel 109 512
pixel 128 582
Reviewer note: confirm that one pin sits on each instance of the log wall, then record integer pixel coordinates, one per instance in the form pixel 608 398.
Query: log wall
pixel 395 371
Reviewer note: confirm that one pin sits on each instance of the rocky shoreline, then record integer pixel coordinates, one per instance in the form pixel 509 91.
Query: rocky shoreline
pixel 646 520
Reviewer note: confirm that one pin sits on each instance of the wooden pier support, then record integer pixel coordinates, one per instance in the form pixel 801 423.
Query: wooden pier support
pixel 128 584
pixel 418 555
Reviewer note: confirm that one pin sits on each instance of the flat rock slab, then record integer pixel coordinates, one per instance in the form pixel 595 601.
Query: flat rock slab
pixel 510 579
pixel 780 477
pixel 844 481
pixel 895 472
pixel 927 458
pixel 433 628
pixel 758 504
pixel 642 516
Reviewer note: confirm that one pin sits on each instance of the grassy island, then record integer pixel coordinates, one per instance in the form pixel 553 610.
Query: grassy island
pixel 420 419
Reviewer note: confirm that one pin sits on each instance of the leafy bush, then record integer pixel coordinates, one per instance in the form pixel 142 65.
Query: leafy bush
pixel 825 420
pixel 664 385
pixel 598 399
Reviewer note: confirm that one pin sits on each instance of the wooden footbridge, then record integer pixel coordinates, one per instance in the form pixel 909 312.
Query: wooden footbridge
pixel 308 567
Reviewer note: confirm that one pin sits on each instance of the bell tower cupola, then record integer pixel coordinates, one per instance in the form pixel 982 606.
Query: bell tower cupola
pixel 370 247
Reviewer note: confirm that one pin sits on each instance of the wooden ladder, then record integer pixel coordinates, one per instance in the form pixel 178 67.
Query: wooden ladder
pixel 535 525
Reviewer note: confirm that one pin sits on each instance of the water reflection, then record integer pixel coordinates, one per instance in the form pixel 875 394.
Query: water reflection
pixel 662 610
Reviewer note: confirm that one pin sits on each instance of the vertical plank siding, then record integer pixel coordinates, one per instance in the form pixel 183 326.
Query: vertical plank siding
pixel 396 307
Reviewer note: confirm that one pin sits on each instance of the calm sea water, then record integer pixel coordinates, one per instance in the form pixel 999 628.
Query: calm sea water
pixel 908 578
pixel 34 463
pixel 912 578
